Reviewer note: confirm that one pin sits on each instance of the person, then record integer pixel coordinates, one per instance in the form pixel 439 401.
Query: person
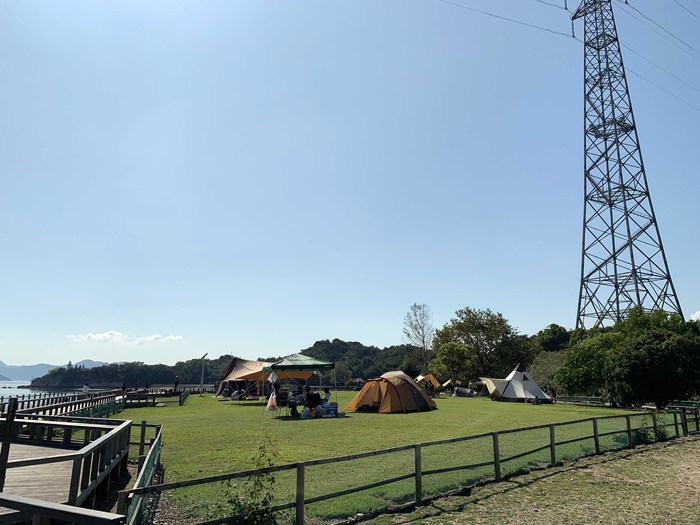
pixel 86 389
pixel 177 382
pixel 326 396
pixel 305 397
pixel 431 389
pixel 123 388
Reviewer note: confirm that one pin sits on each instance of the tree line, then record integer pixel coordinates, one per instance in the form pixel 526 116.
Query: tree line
pixel 648 357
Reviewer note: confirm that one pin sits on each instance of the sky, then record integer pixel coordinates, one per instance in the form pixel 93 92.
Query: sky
pixel 249 177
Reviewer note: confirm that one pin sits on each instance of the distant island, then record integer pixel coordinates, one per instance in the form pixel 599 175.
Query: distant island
pixel 28 372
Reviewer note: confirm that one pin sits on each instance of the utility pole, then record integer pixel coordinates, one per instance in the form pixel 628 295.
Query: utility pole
pixel 623 264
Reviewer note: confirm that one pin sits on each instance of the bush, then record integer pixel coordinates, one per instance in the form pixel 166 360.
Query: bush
pixel 250 502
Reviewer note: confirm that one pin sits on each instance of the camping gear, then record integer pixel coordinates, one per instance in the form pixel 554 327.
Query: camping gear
pixel 253 371
pixel 391 392
pixel 518 386
pixel 428 378
pixel 460 391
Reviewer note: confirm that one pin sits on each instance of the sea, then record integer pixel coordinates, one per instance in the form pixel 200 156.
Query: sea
pixel 12 388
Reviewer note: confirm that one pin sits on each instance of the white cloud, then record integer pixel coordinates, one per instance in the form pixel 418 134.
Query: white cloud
pixel 120 338
pixel 696 316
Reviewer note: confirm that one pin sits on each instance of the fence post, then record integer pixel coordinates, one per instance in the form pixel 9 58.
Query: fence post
pixel 74 481
pixel 684 422
pixel 419 475
pixel 596 436
pixel 122 503
pixel 675 424
pixel 656 427
pixel 7 439
pixel 496 456
pixel 300 495
pixel 142 439
pixel 629 432
pixel 552 446
pixel 697 421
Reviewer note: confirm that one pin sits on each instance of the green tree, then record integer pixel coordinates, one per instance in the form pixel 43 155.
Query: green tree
pixel 546 366
pixel 455 361
pixel 498 346
pixel 585 368
pixel 647 357
pixel 554 338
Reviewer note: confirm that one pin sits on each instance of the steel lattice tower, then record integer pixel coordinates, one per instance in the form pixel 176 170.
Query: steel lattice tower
pixel 623 261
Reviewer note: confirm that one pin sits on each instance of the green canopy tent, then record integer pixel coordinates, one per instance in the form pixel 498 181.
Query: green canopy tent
pixel 301 362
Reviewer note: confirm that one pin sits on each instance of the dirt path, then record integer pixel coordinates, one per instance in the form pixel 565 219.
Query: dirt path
pixel 654 484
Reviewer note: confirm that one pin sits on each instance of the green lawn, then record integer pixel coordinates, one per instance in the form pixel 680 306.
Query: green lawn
pixel 208 436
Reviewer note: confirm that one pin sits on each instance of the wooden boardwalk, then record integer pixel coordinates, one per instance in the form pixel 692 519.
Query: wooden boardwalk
pixel 45 482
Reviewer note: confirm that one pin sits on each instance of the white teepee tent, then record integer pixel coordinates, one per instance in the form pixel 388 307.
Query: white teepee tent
pixel 518 386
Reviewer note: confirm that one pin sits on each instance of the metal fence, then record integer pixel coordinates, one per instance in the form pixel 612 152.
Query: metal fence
pixel 133 505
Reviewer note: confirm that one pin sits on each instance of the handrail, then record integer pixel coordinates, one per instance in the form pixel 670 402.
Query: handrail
pixel 37 508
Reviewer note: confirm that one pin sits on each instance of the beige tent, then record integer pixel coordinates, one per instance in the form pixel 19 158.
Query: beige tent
pixel 429 378
pixel 244 370
pixel 518 386
pixel 392 392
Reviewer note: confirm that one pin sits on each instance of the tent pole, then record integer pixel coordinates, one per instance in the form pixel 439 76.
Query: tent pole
pixel 335 386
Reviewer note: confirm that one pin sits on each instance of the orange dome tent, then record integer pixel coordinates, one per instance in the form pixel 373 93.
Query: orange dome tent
pixel 392 392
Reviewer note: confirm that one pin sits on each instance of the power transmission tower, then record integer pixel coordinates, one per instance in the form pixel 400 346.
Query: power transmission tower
pixel 623 264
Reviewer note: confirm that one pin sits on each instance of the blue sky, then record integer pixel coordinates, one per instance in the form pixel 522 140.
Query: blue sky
pixel 249 177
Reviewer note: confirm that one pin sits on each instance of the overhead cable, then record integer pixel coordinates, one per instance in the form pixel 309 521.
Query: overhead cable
pixel 569 37
pixel 520 22
pixel 664 90
pixel 620 4
pixel 628 48
pixel 684 7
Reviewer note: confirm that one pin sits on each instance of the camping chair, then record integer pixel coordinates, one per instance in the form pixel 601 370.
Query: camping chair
pixel 283 402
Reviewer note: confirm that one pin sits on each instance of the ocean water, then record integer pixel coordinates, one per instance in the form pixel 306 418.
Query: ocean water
pixel 11 388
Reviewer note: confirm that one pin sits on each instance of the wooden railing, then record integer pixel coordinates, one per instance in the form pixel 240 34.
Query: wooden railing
pixel 661 426
pixel 133 505
pixel 104 447
pixel 72 404
pixel 581 400
pixel 37 510
pixel 35 400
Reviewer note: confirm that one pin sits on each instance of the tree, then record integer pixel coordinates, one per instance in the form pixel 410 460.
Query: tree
pixel 554 338
pixel 498 346
pixel 647 357
pixel 546 366
pixel 418 331
pixel 585 369
pixel 455 361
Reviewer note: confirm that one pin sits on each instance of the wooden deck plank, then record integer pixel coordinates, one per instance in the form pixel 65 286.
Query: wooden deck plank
pixel 45 482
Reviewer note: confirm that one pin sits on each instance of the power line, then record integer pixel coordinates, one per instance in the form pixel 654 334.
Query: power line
pixel 653 22
pixel 664 90
pixel 684 7
pixel 661 68
pixel 569 37
pixel 550 4
pixel 620 5
pixel 520 22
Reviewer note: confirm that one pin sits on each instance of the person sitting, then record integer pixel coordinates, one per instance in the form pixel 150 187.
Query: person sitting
pixel 313 399
pixel 326 396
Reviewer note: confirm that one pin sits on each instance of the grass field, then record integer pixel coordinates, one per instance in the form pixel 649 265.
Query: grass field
pixel 653 484
pixel 208 436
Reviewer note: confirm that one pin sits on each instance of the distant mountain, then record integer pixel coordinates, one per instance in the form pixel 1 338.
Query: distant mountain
pixel 29 372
